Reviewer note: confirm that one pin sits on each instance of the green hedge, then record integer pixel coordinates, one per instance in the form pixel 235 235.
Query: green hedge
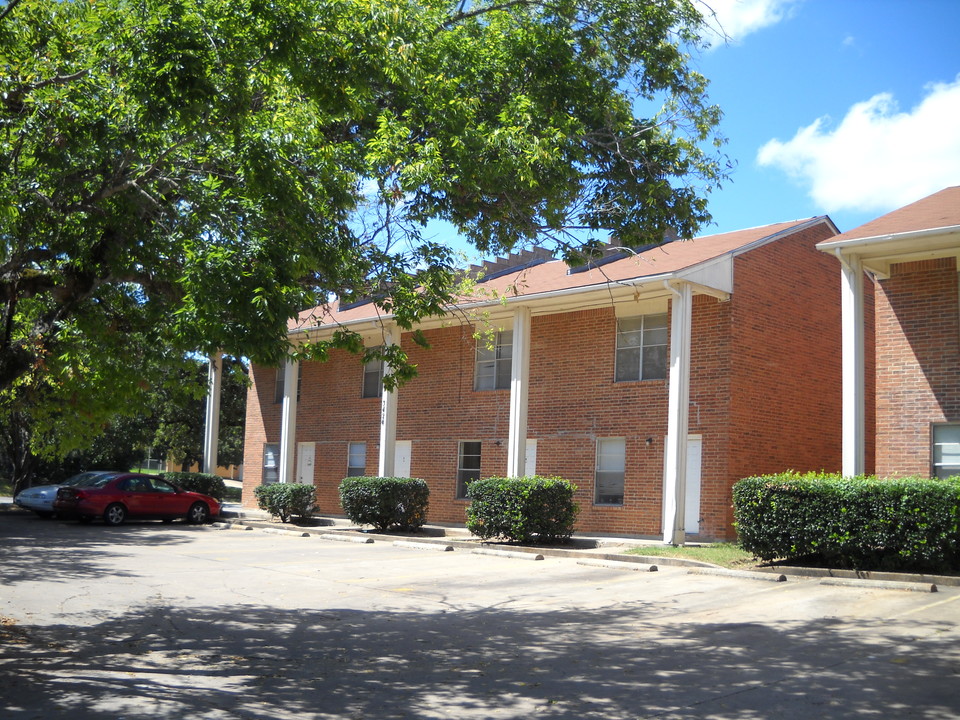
pixel 524 509
pixel 286 500
pixel 385 502
pixel 862 523
pixel 205 483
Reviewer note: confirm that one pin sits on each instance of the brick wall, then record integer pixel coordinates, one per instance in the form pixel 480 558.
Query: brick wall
pixel 786 395
pixel 918 362
pixel 765 396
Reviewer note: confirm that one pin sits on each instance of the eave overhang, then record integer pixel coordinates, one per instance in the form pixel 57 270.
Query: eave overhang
pixel 878 253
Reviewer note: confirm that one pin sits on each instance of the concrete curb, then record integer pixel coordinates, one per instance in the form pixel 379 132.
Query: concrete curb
pixel 422 545
pixel 881 584
pixel 346 538
pixel 744 574
pixel 515 554
pixel 619 565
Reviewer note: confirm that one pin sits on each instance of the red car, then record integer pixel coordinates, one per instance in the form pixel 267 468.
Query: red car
pixel 119 496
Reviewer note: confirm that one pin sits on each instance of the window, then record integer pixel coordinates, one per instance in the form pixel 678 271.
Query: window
pixel 372 378
pixel 271 463
pixel 946 450
pixel 642 348
pixel 356 459
pixel 468 467
pixel 278 397
pixel 611 461
pixel 494 362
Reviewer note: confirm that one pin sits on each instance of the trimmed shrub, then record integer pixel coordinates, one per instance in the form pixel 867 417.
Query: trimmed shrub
pixel 205 483
pixel 862 523
pixel 385 502
pixel 286 500
pixel 524 509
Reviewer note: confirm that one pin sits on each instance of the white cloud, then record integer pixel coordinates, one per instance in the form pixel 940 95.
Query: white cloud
pixel 733 20
pixel 877 158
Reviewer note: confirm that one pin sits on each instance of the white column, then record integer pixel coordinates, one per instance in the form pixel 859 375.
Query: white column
pixel 675 472
pixel 288 422
pixel 386 465
pixel 854 425
pixel 519 392
pixel 211 426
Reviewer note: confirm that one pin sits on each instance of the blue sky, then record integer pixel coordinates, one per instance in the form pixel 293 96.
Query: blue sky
pixel 849 108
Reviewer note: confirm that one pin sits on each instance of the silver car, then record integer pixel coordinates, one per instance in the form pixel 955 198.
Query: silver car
pixel 40 499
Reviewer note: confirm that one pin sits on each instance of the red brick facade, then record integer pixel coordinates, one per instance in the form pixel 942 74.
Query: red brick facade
pixel 764 396
pixel 918 362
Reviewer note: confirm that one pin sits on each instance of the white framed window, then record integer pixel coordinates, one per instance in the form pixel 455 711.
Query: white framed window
pixel 611 464
pixel 642 348
pixel 278 396
pixel 945 451
pixel 494 362
pixel 271 463
pixel 372 379
pixel 356 459
pixel 468 466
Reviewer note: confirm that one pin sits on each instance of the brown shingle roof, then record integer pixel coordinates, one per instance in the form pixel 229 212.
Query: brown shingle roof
pixel 939 210
pixel 553 276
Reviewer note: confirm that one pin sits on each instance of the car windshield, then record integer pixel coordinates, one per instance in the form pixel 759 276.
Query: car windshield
pixel 95 481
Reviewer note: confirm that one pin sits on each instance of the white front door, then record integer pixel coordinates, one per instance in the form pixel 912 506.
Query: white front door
pixel 691 504
pixel 530 460
pixel 401 458
pixel 306 452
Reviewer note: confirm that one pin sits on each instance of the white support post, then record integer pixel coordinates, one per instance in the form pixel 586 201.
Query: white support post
pixel 288 422
pixel 386 465
pixel 519 393
pixel 211 425
pixel 852 353
pixel 675 472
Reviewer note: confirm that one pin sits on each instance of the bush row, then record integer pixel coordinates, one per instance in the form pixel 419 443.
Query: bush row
pixel 205 483
pixel 385 502
pixel 523 509
pixel 891 524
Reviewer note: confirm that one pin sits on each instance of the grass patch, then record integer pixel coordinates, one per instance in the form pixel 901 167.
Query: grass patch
pixel 728 555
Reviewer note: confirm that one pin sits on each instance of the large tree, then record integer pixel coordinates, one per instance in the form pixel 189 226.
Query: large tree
pixel 198 171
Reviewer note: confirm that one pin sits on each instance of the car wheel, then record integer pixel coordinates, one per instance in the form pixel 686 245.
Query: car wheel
pixel 198 513
pixel 114 514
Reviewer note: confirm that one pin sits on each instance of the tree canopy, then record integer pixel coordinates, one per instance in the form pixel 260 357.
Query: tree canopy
pixel 195 172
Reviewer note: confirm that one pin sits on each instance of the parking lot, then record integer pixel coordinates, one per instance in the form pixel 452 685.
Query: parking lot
pixel 175 621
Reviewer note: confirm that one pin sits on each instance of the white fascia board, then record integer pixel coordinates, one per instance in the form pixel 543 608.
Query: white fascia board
pixel 712 277
pixel 878 253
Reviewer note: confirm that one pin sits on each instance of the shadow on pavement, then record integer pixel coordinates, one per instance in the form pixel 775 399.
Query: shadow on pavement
pixel 248 661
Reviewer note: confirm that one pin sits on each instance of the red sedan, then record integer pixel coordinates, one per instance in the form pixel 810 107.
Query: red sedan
pixel 117 497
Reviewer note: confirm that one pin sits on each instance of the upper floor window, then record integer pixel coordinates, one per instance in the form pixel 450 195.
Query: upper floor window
pixel 271 463
pixel 281 373
pixel 494 362
pixel 372 378
pixel 642 348
pixel 946 449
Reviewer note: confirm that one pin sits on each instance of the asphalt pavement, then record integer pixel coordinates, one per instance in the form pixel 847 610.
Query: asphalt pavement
pixel 174 621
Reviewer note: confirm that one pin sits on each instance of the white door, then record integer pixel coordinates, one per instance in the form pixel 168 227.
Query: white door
pixel 530 459
pixel 401 458
pixel 306 452
pixel 691 502
pixel 691 516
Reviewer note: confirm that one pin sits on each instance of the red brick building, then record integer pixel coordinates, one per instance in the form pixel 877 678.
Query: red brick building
pixel 909 260
pixel 653 381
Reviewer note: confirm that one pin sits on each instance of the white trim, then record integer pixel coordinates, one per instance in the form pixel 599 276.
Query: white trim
pixel 853 432
pixel 211 425
pixel 675 471
pixel 519 392
pixel 387 456
pixel 288 422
